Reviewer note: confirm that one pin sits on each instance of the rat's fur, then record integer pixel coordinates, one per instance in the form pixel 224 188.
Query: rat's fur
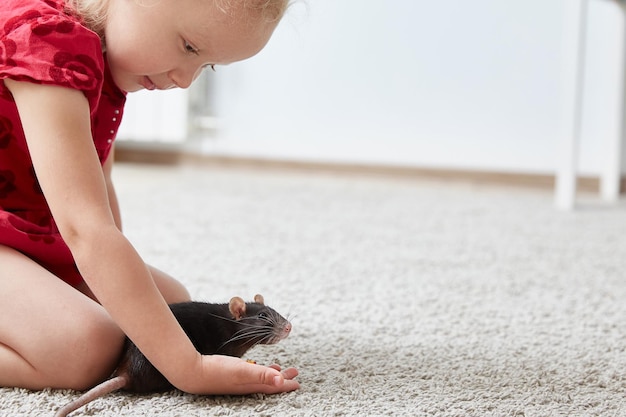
pixel 223 329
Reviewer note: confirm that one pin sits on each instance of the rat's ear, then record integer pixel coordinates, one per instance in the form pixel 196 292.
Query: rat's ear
pixel 237 307
pixel 259 299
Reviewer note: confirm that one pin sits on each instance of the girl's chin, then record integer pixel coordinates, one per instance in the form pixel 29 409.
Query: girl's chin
pixel 131 86
pixel 126 84
pixel 133 89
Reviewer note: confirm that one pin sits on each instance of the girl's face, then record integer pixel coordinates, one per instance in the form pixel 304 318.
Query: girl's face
pixel 161 44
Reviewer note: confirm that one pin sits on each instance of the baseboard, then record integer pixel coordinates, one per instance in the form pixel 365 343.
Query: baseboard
pixel 175 157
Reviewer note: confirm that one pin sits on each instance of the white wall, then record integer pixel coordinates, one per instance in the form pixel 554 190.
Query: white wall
pixel 155 117
pixel 446 83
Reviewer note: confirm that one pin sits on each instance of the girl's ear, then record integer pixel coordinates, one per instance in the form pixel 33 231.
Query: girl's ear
pixel 237 307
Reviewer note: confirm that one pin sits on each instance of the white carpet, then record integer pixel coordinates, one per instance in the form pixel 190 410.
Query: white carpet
pixel 409 298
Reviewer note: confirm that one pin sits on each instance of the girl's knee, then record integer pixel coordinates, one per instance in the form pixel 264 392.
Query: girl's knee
pixel 97 345
pixel 171 289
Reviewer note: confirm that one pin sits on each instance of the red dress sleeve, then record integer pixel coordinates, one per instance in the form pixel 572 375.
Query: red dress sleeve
pixel 47 46
pixel 41 43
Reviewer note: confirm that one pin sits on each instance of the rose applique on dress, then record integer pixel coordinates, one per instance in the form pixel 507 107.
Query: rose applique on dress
pixel 7 183
pixel 6 132
pixel 8 48
pixel 77 71
pixel 45 239
pixel 46 28
pixel 17 21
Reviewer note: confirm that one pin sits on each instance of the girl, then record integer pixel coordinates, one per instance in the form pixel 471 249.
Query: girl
pixel 71 284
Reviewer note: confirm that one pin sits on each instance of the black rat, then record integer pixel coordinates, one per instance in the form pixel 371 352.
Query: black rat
pixel 224 329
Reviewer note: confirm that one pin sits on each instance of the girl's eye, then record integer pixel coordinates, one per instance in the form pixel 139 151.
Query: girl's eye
pixel 190 49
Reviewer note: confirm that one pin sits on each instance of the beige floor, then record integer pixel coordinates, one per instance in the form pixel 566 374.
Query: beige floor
pixel 408 298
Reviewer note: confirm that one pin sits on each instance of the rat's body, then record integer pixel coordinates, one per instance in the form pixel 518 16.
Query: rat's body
pixel 222 329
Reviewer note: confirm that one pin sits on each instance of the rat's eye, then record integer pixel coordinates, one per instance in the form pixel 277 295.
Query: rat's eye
pixel 263 315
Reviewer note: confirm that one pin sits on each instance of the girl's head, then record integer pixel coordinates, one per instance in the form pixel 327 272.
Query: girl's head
pixel 166 43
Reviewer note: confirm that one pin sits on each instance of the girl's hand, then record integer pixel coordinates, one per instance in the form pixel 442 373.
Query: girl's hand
pixel 229 375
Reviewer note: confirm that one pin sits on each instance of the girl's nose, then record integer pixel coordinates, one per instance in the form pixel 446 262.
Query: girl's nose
pixel 183 77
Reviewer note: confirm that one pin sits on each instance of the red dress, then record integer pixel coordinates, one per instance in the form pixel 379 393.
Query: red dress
pixel 43 44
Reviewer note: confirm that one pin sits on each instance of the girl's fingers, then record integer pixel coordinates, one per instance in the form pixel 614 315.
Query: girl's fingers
pixel 234 376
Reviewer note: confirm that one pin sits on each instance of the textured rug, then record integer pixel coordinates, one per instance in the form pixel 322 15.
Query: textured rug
pixel 408 298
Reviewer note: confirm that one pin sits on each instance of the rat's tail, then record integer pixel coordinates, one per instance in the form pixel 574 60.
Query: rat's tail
pixel 106 387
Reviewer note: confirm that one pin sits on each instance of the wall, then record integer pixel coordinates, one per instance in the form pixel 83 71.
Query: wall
pixel 156 117
pixel 447 84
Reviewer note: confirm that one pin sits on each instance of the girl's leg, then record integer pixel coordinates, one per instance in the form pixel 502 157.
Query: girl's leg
pixel 172 290
pixel 50 334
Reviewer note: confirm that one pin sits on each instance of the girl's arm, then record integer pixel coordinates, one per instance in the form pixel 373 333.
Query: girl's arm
pixel 56 123
pixel 107 169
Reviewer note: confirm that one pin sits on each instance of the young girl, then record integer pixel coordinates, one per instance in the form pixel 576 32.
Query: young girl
pixel 71 284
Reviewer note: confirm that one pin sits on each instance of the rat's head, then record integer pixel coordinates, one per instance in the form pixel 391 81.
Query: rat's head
pixel 259 323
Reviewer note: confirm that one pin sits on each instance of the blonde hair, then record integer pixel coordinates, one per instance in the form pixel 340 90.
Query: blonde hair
pixel 266 11
pixel 93 12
